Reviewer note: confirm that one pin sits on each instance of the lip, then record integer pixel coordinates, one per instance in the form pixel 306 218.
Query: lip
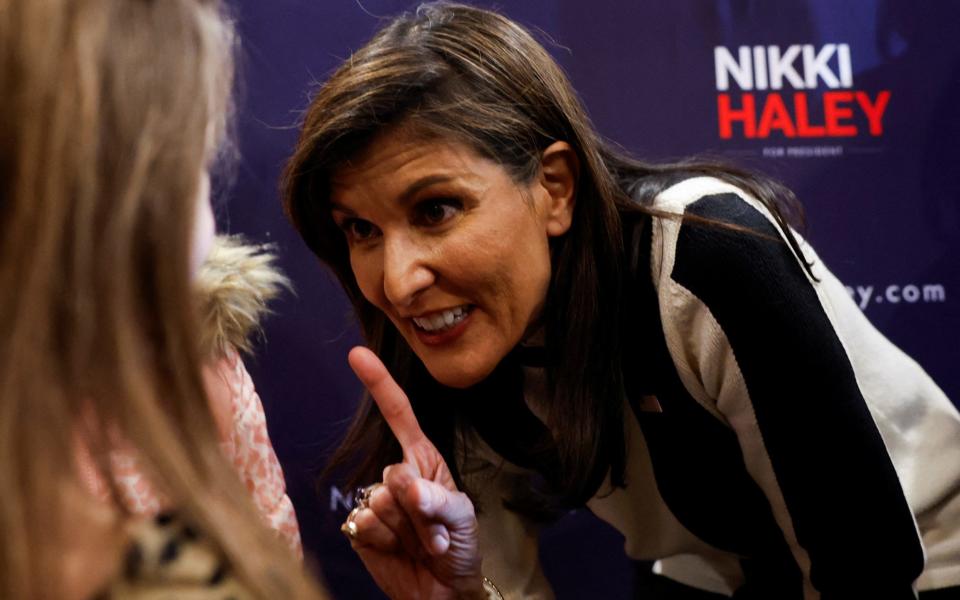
pixel 429 338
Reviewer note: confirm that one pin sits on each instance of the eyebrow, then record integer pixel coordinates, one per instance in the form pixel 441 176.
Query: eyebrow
pixel 412 190
pixel 422 184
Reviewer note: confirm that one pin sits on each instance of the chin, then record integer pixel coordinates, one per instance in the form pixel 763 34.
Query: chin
pixel 456 376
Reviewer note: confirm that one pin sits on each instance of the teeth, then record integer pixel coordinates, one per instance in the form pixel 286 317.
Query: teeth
pixel 442 320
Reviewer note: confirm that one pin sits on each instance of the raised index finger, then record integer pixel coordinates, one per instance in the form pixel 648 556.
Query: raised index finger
pixel 393 403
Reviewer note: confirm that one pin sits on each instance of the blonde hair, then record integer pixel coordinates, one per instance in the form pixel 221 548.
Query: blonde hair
pixel 106 118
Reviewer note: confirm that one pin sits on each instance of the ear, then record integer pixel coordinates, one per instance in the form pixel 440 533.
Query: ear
pixel 559 172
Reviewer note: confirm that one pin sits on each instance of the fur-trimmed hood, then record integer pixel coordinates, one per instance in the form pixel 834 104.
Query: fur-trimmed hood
pixel 235 284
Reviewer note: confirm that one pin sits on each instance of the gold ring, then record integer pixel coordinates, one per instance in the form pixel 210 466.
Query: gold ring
pixel 349 529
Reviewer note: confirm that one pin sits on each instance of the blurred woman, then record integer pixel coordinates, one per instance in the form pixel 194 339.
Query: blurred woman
pixel 110 118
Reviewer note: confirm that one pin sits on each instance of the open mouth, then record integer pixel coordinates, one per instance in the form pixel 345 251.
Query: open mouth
pixel 443 320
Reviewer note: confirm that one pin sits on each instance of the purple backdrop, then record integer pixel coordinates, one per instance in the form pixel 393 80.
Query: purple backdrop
pixel 851 104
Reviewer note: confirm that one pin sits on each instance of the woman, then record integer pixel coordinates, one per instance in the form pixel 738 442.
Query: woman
pixel 112 111
pixel 575 327
pixel 233 285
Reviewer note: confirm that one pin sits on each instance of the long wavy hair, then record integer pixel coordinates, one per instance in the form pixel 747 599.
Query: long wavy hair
pixel 475 77
pixel 107 115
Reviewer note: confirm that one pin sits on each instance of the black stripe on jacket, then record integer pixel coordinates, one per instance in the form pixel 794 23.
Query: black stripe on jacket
pixel 844 498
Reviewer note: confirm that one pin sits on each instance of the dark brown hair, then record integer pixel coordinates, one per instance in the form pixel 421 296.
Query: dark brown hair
pixel 475 77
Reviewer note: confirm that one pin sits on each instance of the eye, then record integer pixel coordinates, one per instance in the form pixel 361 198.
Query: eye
pixel 437 211
pixel 358 230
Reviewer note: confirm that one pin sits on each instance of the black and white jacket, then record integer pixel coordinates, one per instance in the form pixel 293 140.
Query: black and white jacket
pixel 776 439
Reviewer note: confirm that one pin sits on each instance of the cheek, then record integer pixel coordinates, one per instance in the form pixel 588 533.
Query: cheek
pixel 529 280
pixel 204 227
pixel 367 269
pixel 522 256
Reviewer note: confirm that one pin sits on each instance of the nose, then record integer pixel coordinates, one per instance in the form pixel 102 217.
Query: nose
pixel 406 270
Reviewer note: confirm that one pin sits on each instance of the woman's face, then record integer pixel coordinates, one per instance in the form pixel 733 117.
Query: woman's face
pixel 452 250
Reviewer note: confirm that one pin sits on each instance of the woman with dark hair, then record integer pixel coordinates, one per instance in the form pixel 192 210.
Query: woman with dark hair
pixel 575 327
pixel 112 113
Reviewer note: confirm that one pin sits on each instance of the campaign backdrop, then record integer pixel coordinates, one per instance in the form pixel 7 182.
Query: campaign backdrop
pixel 852 104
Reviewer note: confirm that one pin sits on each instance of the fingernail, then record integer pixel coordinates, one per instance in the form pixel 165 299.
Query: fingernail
pixel 439 544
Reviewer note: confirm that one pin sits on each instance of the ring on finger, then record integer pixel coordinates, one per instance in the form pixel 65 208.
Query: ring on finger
pixel 349 527
pixel 362 495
